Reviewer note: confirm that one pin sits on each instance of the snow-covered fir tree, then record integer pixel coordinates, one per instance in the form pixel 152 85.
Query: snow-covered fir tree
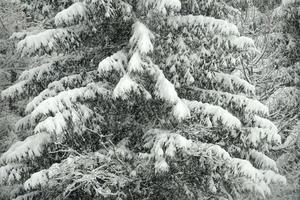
pixel 137 99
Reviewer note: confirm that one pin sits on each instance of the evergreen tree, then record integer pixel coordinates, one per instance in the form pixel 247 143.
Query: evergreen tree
pixel 136 99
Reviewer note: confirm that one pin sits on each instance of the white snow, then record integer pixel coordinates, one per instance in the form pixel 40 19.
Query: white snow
pixel 263 161
pixel 245 168
pixel 38 99
pixel 53 170
pixel 40 73
pixel 141 39
pixel 210 24
pixel 242 43
pixel 15 90
pixel 161 166
pixel 115 62
pixel 165 89
pixel 264 123
pixel 37 73
pixel 37 179
pixel 76 12
pixel 23 123
pixel 66 99
pixel 216 113
pixel 189 78
pixel 229 81
pixel 224 99
pixel 181 111
pixel 271 177
pixel 46 39
pixel 31 147
pixel 256 135
pixel 135 63
pixel 58 86
pixel 216 150
pixel 124 87
pixel 254 106
pixel 11 172
pixel 52 125
pixel 157 140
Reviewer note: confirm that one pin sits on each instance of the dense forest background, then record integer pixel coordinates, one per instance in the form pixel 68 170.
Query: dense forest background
pixel 274 25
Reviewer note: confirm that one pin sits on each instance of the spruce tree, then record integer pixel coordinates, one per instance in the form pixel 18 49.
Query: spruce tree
pixel 137 100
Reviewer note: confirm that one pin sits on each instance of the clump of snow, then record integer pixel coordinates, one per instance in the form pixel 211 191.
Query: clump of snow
pixel 210 24
pixel 257 135
pixel 215 151
pixel 31 147
pixel 24 123
pixel 124 87
pixel 271 177
pixel 135 63
pixel 181 111
pixel 67 99
pixel 45 40
pixel 189 79
pixel 245 168
pixel 38 72
pixel 254 106
pixel 165 89
pixel 263 161
pixel 37 179
pixel 252 179
pixel 53 170
pixel 231 81
pixel 76 12
pixel 55 125
pixel 226 99
pixel 215 113
pixel 263 123
pixel 60 122
pixel 54 114
pixel 114 62
pixel 12 172
pixel 141 39
pixel 15 90
pixel 63 84
pixel 51 105
pixel 260 187
pixel 38 99
pixel 242 43
pixel 157 140
pixel 161 165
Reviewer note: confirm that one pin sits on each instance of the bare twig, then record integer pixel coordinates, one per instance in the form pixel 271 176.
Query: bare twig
pixel 3 25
